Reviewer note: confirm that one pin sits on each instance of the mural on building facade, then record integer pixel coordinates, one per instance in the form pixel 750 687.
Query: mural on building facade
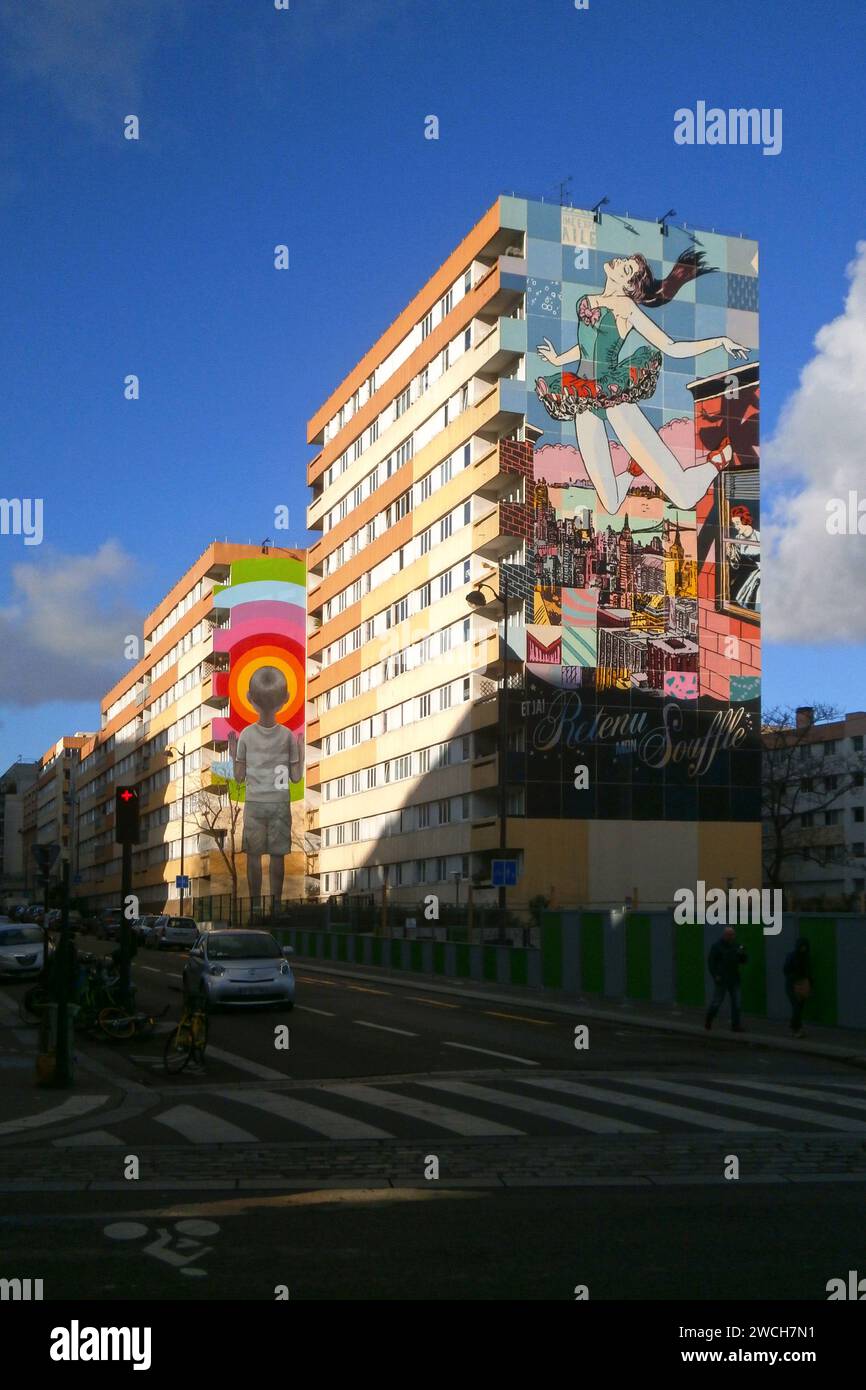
pixel 642 577
pixel 265 643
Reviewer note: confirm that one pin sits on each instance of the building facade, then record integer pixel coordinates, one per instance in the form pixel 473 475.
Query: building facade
pixel 815 790
pixel 612 505
pixel 14 784
pixel 166 727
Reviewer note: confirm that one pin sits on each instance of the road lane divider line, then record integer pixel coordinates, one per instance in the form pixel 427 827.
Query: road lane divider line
pixel 362 989
pixel 382 1029
pixel 436 1003
pixel 503 1056
pixel 520 1018
pixel 305 1009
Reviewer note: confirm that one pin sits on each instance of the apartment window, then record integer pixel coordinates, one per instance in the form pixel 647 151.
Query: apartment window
pixel 424 710
pixel 424 596
pixel 858 779
pixel 426 486
pixel 467 340
pixel 806 784
pixel 829 747
pixel 857 814
pixel 358 449
pixel 427 325
pixel 857 849
pixel 445 584
pixel 423 816
pixel 832 817
pixel 441 870
pixel 467 281
pixel 445 527
pixel 807 820
pixel 444 812
pixel 420 876
pixel 403 505
pixel 445 697
pixel 426 540
pixel 424 760
pixel 402 403
pixel 831 783
pixel 446 304
pixel 857 742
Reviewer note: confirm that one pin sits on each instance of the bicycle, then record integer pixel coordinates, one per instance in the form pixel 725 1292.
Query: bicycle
pixel 189 1039
pixel 118 1025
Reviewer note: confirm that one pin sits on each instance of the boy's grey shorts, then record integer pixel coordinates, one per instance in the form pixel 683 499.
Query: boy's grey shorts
pixel 267 829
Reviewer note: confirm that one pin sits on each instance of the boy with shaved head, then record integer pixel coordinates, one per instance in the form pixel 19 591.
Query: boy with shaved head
pixel 267 757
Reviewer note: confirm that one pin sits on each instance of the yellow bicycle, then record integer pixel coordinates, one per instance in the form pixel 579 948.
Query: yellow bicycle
pixel 188 1041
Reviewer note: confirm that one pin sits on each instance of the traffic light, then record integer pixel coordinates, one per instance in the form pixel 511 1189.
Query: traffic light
pixel 126 816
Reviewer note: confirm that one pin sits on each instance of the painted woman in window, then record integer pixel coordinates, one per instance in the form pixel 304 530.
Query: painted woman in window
pixel 744 563
pixel 617 384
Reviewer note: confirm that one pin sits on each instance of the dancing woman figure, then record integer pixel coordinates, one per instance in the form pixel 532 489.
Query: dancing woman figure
pixel 616 384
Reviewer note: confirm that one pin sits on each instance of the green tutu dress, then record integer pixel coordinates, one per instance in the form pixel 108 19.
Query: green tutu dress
pixel 612 381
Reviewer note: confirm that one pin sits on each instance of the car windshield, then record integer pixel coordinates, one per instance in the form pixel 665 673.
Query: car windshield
pixel 186 922
pixel 20 936
pixel 242 947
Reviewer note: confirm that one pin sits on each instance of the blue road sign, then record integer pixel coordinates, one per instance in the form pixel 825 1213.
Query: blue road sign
pixel 182 881
pixel 504 873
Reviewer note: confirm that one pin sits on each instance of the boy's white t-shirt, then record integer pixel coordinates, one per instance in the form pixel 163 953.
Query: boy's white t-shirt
pixel 265 750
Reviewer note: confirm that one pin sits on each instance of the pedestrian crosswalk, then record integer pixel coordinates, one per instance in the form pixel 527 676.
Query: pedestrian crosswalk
pixel 498 1106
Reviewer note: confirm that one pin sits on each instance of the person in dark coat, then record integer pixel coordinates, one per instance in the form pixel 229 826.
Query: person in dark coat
pixel 798 982
pixel 724 963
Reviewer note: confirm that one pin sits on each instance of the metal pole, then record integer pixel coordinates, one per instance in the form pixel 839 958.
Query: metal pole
pixel 503 747
pixel 125 923
pixel 182 818
pixel 62 1067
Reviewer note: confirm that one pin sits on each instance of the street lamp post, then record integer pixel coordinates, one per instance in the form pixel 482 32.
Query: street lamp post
pixel 175 753
pixel 475 599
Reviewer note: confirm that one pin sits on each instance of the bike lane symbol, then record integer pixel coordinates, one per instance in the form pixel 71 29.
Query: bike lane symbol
pixel 168 1245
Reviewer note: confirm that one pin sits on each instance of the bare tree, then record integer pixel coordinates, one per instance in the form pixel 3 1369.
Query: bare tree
pixel 306 840
pixel 799 778
pixel 216 810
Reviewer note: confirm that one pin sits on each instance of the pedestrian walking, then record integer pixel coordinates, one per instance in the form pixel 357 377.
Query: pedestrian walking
pixel 798 982
pixel 724 961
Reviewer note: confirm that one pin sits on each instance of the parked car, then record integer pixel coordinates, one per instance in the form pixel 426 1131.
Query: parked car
pixel 172 931
pixel 21 949
pixel 141 927
pixel 239 967
pixel 108 925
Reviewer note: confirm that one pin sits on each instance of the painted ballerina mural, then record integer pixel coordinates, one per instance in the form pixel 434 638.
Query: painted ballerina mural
pixel 610 387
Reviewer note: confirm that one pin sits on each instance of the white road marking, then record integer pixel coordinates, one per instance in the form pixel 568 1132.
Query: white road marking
pixel 242 1064
pixel 203 1128
pixel 70 1109
pixel 83 1141
pixel 764 1107
pixel 505 1056
pixel 152 968
pixel 804 1093
pixel 382 1029
pixel 315 1117
pixel 456 1121
pixel 567 1115
pixel 305 1009
pixel 652 1107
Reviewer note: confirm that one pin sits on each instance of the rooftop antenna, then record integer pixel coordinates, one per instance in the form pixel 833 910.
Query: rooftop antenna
pixel 564 190
pixel 663 220
pixel 596 210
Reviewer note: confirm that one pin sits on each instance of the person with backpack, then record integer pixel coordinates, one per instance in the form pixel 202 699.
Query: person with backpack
pixel 724 961
pixel 798 982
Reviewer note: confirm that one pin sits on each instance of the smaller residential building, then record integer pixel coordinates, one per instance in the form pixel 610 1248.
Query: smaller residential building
pixel 14 784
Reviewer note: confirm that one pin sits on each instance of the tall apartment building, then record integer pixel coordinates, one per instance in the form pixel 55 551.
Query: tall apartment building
pixel 823 810
pixel 449 457
pixel 49 808
pixel 14 784
pixel 167 722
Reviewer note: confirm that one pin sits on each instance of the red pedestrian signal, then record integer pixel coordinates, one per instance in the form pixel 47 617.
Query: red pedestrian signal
pixel 126 816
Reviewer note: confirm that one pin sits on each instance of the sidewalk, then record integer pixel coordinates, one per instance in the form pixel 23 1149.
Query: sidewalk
pixel 26 1107
pixel 840 1044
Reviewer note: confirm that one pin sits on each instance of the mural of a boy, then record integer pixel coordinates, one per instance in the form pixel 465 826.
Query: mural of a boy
pixel 267 757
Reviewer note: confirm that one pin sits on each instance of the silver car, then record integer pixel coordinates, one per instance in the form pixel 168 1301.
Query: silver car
pixel 239 967
pixel 21 947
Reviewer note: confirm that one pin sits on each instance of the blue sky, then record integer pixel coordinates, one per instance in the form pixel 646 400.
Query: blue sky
pixel 306 127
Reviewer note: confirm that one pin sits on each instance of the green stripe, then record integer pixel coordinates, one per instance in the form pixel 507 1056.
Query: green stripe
pixel 439 957
pixel 396 955
pixel 519 959
pixel 342 953
pixel 488 963
pixel 258 569
pixel 638 957
pixel 689 964
pixel 377 950
pixel 461 953
pixel 822 1005
pixel 753 975
pixel 592 952
pixel 551 951
pixel 417 953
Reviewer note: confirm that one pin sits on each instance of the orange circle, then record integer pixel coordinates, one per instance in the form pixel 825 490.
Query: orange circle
pixel 243 669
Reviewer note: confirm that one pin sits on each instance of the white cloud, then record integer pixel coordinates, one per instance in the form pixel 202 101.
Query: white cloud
pixel 815 583
pixel 62 632
pixel 91 54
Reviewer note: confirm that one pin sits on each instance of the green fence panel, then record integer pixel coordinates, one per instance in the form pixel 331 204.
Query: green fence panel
pixel 551 951
pixel 488 963
pixel 592 952
pixel 327 945
pixel 461 953
pixel 689 965
pixel 519 961
pixel 753 975
pixel 417 956
pixel 439 957
pixel 638 957
pixel 377 950
pixel 395 955
pixel 823 1004
pixel 342 951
